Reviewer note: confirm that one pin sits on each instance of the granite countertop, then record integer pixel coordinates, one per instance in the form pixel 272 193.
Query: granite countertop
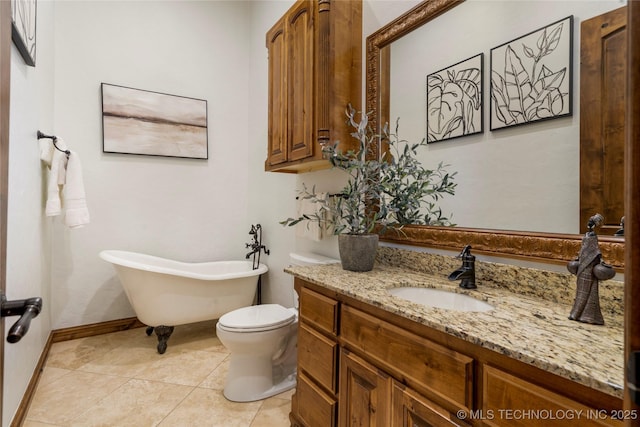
pixel 534 331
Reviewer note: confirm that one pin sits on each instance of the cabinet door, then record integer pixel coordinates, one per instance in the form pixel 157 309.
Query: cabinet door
pixel 277 48
pixel 509 401
pixel 300 80
pixel 312 406
pixel 412 410
pixel 603 92
pixel 365 393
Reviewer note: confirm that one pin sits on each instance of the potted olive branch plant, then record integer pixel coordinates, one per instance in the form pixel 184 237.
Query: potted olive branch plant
pixel 388 191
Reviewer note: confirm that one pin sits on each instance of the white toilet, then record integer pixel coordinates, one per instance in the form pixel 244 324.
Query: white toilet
pixel 262 342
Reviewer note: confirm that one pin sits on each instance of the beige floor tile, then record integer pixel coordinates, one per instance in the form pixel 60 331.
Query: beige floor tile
pixel 185 367
pixel 285 395
pixel 274 412
pixel 59 401
pixel 122 361
pixel 75 353
pixel 216 379
pixel 119 379
pixel 197 336
pixel 50 374
pixel 205 407
pixel 29 423
pixel 137 403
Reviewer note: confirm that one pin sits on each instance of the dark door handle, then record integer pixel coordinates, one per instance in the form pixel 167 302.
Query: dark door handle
pixel 27 309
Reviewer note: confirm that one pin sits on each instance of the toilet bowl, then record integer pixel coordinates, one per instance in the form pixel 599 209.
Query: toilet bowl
pixel 262 340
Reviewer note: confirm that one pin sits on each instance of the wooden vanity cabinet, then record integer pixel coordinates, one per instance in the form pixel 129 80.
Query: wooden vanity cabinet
pixel 315 71
pixel 361 365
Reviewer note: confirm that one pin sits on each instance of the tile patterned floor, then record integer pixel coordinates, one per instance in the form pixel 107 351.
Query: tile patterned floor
pixel 119 379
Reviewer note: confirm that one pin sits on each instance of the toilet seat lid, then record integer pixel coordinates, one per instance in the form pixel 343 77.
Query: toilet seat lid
pixel 257 318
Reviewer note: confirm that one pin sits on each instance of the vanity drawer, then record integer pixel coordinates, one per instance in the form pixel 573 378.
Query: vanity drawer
pixel 314 407
pixel 511 401
pixel 436 371
pixel 318 357
pixel 319 311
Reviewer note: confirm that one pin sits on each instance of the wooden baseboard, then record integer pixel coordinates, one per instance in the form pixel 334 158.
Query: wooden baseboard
pixel 94 329
pixel 21 412
pixel 67 334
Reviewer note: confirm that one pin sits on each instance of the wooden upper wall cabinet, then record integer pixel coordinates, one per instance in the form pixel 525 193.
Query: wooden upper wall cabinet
pixel 315 71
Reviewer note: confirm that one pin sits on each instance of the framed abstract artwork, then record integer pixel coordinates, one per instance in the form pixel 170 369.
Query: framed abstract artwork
pixel 136 121
pixel 454 100
pixel 531 76
pixel 23 29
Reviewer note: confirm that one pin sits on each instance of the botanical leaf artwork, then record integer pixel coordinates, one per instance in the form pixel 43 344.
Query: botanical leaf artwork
pixel 531 77
pixel 454 100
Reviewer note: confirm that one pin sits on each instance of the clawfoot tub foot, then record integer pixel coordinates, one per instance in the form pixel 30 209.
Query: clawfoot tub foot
pixel 163 333
pixel 149 330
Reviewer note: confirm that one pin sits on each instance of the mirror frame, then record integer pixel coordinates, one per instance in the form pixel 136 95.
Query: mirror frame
pixel 542 247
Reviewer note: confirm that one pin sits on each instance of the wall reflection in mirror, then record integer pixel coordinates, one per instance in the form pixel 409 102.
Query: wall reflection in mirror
pixel 524 178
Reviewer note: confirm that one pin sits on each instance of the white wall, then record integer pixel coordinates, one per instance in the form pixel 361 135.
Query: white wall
pixel 183 209
pixel 271 195
pixel 29 242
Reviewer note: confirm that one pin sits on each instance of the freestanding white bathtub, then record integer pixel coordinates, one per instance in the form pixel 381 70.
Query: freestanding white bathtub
pixel 166 293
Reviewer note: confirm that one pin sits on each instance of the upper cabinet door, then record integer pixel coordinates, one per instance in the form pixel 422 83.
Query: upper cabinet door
pixel 277 47
pixel 315 70
pixel 301 81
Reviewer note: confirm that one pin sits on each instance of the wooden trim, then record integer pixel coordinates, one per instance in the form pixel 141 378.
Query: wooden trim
pixel 5 91
pixel 543 247
pixel 632 195
pixel 21 413
pixel 94 329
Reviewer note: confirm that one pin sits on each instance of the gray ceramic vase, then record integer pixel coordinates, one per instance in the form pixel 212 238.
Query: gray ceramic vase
pixel 358 251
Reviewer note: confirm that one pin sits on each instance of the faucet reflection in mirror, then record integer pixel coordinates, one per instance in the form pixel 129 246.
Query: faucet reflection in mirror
pixel 620 232
pixel 589 269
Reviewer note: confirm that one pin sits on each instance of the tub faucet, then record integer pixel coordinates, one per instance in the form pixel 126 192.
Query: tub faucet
pixel 256 242
pixel 467 273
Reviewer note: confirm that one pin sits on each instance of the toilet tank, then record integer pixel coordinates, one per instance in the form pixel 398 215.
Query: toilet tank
pixel 309 258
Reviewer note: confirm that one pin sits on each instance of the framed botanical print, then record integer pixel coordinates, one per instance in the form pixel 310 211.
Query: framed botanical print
pixel 454 100
pixel 531 76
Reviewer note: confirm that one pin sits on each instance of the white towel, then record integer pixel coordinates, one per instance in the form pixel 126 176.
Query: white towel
pixel 46 151
pixel 75 203
pixel 310 229
pixel 65 176
pixel 57 162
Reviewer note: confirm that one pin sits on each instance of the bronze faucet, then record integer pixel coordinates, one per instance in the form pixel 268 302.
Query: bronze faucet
pixel 466 273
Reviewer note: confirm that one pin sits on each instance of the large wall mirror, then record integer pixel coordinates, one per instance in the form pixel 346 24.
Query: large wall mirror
pixel 518 188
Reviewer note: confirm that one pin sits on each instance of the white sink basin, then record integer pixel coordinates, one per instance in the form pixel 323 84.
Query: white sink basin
pixel 440 299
